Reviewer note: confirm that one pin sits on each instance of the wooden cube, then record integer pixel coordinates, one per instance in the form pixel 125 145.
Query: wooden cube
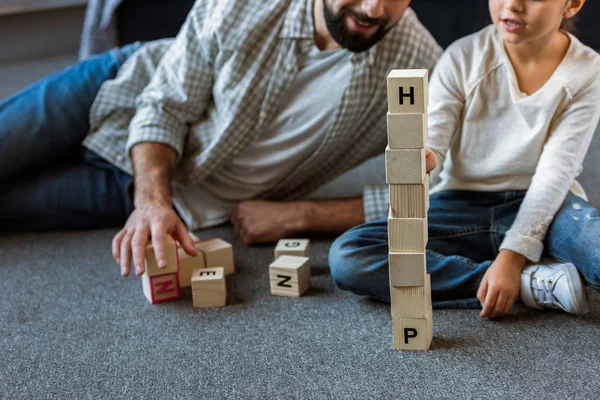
pixel 411 302
pixel 290 276
pixel 172 259
pixel 413 333
pixel 407 269
pixel 187 264
pixel 161 288
pixel 217 253
pixel 407 131
pixel 407 235
pixel 408 91
pixel 208 287
pixel 292 247
pixel 405 166
pixel 410 201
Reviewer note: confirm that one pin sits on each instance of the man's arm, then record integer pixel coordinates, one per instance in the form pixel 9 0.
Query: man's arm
pixel 258 221
pixel 175 98
pixel 153 214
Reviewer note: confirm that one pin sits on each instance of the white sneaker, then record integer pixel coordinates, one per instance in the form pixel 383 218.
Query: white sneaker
pixel 552 284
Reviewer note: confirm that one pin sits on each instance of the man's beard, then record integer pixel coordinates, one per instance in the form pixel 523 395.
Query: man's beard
pixel 353 41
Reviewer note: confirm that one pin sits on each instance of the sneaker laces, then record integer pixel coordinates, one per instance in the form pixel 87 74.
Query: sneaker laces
pixel 543 292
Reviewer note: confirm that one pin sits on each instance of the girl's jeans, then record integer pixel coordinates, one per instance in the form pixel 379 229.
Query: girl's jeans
pixel 465 231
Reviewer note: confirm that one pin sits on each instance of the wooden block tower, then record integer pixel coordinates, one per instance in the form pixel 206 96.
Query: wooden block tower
pixel 410 288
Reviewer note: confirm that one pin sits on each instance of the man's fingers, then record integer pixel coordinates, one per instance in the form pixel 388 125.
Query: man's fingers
pixel 116 245
pixel 138 247
pixel 234 216
pixel 183 237
pixel 489 303
pixel 126 253
pixel 159 243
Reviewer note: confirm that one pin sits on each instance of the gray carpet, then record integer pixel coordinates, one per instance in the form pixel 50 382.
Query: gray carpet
pixel 71 327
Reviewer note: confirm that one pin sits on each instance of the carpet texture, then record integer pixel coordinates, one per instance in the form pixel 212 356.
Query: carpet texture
pixel 71 327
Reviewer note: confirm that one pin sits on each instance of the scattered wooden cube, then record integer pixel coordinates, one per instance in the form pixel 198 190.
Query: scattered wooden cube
pixel 408 91
pixel 292 247
pixel 217 253
pixel 407 131
pixel 172 261
pixel 405 166
pixel 407 269
pixel 208 287
pixel 161 288
pixel 413 333
pixel 290 276
pixel 187 264
pixel 410 201
pixel 407 235
pixel 411 302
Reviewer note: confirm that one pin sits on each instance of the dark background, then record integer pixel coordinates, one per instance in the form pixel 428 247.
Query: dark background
pixel 447 20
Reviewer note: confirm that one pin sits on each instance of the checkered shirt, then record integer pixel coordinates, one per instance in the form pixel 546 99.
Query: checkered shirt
pixel 215 88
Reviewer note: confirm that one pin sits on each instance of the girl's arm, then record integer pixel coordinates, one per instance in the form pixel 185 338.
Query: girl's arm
pixel 447 102
pixel 559 165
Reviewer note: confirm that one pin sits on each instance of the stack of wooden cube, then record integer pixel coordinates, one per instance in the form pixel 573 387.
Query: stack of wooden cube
pixel 410 288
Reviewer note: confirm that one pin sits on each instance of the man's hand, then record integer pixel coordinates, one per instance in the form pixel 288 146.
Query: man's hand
pixel 155 221
pixel 153 215
pixel 268 221
pixel 501 284
pixel 257 221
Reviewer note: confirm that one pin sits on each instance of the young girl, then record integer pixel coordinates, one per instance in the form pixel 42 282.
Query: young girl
pixel 512 111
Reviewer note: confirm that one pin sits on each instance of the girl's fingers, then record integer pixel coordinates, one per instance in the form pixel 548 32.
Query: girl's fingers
pixel 489 303
pixel 430 161
pixel 508 306
pixel 482 291
pixel 499 309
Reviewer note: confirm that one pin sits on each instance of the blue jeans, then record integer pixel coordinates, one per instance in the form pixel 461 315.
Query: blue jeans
pixel 47 180
pixel 465 231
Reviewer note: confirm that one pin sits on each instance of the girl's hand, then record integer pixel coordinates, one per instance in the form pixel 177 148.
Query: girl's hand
pixel 501 284
pixel 430 160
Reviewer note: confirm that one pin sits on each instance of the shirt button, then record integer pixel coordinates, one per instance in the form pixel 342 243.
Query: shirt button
pixel 262 115
pixel 289 68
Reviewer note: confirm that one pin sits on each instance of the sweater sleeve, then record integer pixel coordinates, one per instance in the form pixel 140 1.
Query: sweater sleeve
pixel 560 163
pixel 447 101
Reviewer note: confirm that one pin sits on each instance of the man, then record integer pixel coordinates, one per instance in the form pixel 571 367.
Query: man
pixel 252 100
